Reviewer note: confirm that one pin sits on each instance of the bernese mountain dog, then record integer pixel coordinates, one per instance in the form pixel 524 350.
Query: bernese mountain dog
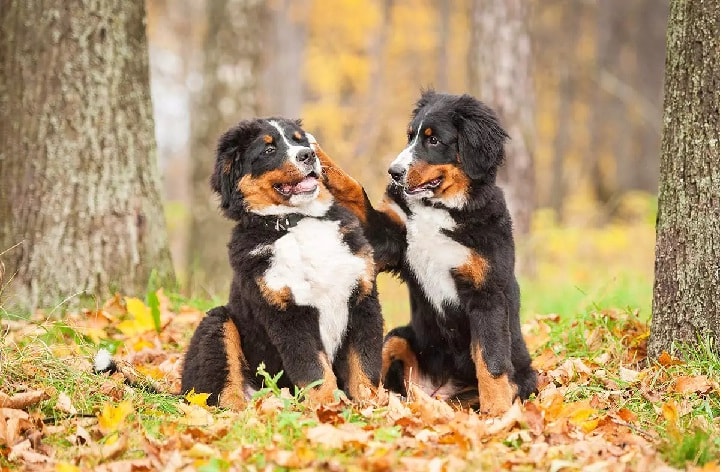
pixel 303 297
pixel 445 229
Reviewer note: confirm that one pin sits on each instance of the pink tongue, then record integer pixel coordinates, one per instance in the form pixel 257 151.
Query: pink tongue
pixel 306 185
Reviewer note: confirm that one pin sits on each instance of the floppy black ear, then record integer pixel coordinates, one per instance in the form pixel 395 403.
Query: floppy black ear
pixel 229 165
pixel 481 138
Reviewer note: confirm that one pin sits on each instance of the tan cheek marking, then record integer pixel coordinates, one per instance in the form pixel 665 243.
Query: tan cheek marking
pixel 421 172
pixel 277 298
pixel 475 269
pixel 268 139
pixel 345 189
pixel 495 394
pixel 258 192
pixel 396 348
pixel 455 181
pixel 427 132
pixel 324 392
pixel 359 384
pixel 232 396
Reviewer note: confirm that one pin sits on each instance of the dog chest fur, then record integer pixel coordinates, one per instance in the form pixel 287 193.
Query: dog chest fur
pixel 313 261
pixel 432 255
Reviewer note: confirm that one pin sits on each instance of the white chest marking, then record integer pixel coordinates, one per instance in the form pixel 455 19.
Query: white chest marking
pixel 320 270
pixel 432 255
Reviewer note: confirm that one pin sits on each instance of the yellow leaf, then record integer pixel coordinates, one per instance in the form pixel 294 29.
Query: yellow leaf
pixel 580 414
pixel 141 318
pixel 141 344
pixel 199 399
pixel 113 417
pixel 65 467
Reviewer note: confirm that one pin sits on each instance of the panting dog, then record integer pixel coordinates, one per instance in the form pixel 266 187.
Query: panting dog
pixel 444 228
pixel 303 298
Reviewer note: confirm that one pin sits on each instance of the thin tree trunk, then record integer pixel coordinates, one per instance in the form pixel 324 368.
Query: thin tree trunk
pixel 284 69
pixel 232 57
pixel 686 287
pixel 80 185
pixel 500 75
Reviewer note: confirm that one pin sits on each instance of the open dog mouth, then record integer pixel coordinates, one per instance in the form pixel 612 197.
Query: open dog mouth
pixel 306 186
pixel 428 185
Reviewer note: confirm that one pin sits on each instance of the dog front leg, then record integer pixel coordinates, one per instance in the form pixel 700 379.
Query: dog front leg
pixel 491 352
pixel 295 336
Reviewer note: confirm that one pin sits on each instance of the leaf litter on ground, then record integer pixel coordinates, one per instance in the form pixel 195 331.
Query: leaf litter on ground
pixel 601 405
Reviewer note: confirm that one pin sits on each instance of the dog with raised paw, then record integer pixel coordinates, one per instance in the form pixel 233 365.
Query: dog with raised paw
pixel 444 229
pixel 303 297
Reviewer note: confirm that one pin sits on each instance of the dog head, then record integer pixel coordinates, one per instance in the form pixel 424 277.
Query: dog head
pixel 453 140
pixel 267 167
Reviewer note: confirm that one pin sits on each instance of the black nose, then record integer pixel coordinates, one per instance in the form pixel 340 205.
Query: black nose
pixel 305 156
pixel 397 172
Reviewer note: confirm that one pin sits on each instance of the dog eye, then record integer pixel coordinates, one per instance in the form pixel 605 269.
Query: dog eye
pixel 269 150
pixel 433 140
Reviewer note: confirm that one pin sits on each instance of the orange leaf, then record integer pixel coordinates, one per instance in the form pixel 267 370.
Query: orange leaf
pixel 627 415
pixel 666 360
pixel 669 411
pixel 687 384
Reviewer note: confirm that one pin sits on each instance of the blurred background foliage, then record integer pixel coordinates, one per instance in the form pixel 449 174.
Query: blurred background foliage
pixel 352 69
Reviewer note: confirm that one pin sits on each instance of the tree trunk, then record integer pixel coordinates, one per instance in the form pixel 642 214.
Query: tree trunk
pixel 686 288
pixel 500 76
pixel 232 54
pixel 80 185
pixel 284 69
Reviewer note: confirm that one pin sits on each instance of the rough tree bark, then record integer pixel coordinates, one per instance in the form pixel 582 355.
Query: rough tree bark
pixel 500 75
pixel 80 185
pixel 686 287
pixel 231 55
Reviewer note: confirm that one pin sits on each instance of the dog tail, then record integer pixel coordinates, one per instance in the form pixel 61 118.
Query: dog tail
pixel 105 363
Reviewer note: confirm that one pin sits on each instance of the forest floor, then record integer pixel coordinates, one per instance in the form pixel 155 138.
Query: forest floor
pixel 602 405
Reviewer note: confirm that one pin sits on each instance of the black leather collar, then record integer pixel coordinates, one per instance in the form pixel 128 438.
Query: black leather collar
pixel 282 222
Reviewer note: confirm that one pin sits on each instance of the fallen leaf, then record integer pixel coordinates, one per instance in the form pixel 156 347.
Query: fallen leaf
pixel 666 360
pixel 335 437
pixel 141 319
pixel 629 375
pixel 199 399
pixel 65 405
pixel 627 415
pixel 23 451
pixel 22 400
pixel 112 418
pixel 696 384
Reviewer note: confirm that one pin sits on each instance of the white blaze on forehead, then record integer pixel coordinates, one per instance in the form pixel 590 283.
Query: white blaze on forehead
pixel 406 156
pixel 293 149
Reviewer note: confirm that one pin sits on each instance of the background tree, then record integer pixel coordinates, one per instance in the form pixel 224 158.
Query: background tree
pixel 80 186
pixel 231 65
pixel 686 287
pixel 500 74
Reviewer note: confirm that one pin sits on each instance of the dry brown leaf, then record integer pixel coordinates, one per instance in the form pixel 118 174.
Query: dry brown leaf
pixel 22 400
pixel 627 415
pixel 65 405
pixel 696 384
pixel 336 437
pixel 23 451
pixel 629 375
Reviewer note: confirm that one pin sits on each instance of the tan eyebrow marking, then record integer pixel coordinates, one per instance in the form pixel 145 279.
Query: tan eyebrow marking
pixel 268 139
pixel 409 130
pixel 427 132
pixel 297 136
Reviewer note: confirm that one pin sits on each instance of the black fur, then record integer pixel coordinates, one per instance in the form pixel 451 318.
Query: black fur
pixel 285 338
pixel 466 134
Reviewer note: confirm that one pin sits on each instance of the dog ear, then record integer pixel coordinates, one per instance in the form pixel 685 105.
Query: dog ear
pixel 228 167
pixel 481 138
